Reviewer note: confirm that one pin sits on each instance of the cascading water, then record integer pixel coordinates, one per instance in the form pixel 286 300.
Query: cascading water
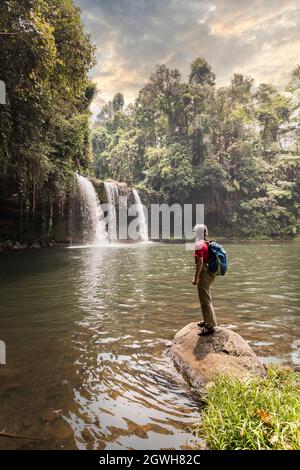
pixel 112 194
pixel 141 216
pixel 92 218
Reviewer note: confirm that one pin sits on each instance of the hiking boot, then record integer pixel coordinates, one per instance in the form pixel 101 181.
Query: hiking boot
pixel 206 331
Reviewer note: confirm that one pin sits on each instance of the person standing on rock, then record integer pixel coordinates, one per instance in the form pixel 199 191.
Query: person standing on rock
pixel 203 279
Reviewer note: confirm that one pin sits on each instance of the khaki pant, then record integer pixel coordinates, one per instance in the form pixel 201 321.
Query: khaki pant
pixel 204 291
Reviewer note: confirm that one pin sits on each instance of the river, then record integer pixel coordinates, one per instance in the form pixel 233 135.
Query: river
pixel 86 330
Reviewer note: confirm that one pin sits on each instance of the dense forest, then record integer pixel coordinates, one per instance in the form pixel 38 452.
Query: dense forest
pixel 234 148
pixel 44 125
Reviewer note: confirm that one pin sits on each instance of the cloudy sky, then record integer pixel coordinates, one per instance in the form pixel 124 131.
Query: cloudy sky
pixel 260 38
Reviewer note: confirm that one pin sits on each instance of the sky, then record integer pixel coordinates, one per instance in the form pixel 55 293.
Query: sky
pixel 260 38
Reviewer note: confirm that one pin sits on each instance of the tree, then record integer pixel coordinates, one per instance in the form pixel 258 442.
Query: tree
pixel 112 115
pixel 45 59
pixel 240 89
pixel 126 158
pixel 201 72
pixel 118 102
pixel 273 114
pixel 164 91
pixel 294 89
pixel 169 171
pixel 195 142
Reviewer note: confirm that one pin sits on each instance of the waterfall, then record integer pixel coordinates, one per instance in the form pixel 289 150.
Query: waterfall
pixel 112 194
pixel 93 226
pixel 141 216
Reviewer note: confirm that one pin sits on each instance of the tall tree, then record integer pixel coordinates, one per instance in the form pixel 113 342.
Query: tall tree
pixel 201 72
pixel 45 59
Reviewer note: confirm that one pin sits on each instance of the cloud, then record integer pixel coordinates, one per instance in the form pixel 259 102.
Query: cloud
pixel 260 38
pixel 254 17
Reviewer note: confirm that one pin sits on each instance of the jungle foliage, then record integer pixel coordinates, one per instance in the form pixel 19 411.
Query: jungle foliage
pixel 44 125
pixel 235 148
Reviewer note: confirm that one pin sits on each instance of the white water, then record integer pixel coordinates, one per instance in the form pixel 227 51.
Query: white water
pixel 141 216
pixel 112 194
pixel 92 217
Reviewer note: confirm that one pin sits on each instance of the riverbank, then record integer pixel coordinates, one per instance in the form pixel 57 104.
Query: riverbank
pixel 256 414
pixel 236 241
pixel 9 245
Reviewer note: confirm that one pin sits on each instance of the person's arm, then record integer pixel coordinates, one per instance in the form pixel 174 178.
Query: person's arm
pixel 199 266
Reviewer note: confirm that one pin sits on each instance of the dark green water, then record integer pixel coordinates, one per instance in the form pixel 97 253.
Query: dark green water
pixel 86 330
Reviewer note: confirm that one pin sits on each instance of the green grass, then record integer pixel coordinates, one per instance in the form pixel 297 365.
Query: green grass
pixel 253 414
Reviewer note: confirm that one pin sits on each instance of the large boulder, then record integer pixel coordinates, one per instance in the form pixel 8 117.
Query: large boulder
pixel 201 358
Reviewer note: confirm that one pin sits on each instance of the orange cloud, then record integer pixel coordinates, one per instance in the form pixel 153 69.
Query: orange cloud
pixel 240 22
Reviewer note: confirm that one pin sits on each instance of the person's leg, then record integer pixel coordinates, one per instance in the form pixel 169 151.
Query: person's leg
pixel 204 291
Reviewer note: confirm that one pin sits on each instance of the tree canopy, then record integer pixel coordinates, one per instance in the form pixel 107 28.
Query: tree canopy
pixel 44 126
pixel 234 148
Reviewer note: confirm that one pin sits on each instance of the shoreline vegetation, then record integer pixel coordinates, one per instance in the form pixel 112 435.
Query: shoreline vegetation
pixel 15 245
pixel 255 414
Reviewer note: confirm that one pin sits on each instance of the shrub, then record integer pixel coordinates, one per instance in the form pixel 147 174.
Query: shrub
pixel 254 414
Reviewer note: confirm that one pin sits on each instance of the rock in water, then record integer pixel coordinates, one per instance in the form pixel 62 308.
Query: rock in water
pixel 201 358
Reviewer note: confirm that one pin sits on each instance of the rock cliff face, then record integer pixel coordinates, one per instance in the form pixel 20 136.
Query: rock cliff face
pixel 201 358
pixel 48 225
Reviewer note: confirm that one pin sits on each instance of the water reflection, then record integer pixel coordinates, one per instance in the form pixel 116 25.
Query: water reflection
pixel 86 330
pixel 122 371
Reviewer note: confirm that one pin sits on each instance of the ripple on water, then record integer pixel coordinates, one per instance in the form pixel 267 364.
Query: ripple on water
pixel 93 325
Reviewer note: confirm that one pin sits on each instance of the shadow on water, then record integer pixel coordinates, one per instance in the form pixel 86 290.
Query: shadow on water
pixel 86 331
